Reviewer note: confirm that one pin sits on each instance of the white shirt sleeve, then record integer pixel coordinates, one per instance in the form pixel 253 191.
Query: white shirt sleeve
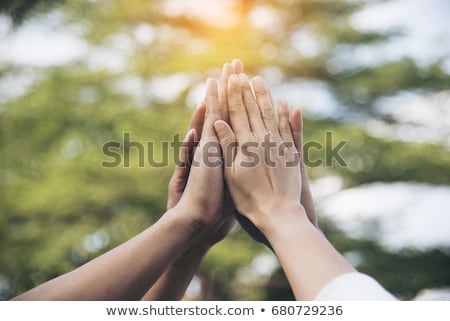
pixel 353 286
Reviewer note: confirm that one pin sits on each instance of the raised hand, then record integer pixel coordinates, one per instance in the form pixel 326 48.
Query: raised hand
pixel 173 282
pixel 262 171
pixel 295 121
pixel 259 153
pixel 306 199
pixel 217 109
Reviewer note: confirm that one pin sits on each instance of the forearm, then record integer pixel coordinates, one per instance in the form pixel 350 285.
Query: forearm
pixel 174 281
pixel 307 257
pixel 126 272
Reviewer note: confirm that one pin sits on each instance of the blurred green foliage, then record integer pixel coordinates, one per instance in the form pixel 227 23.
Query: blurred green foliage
pixel 19 10
pixel 60 208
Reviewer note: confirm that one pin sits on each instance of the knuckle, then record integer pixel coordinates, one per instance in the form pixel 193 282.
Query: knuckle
pixel 249 102
pixel 284 113
pixel 284 126
pixel 267 111
pixel 236 107
pixel 235 89
pixel 228 143
pixel 211 113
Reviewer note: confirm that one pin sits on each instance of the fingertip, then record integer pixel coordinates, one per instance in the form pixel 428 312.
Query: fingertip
pixel 190 135
pixel 198 115
pixel 195 136
pixel 243 78
pixel 236 61
pixel 211 87
pixel 201 106
pixel 220 125
pixel 227 69
pixel 221 129
pixel 258 83
pixel 283 105
pixel 234 79
pixel 211 81
pixel 259 80
pixel 187 146
pixel 238 66
pixel 295 118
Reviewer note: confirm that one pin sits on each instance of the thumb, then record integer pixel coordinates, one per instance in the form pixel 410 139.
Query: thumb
pixel 227 140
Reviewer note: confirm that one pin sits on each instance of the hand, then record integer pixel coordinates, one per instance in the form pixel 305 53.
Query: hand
pixel 258 189
pixel 180 176
pixel 178 181
pixel 203 195
pixel 306 199
pixel 268 194
pixel 173 282
pixel 297 132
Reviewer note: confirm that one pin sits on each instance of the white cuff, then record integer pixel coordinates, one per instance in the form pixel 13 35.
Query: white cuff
pixel 353 286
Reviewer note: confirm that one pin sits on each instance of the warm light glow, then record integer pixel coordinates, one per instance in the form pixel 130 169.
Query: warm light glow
pixel 215 12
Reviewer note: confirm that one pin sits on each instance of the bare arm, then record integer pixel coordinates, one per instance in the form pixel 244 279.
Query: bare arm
pixel 129 270
pixel 307 257
pixel 126 272
pixel 174 281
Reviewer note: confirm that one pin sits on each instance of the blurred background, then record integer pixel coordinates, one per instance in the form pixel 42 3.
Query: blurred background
pixel 75 74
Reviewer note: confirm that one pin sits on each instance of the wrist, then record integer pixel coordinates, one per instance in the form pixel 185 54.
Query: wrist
pixel 198 227
pixel 191 229
pixel 280 218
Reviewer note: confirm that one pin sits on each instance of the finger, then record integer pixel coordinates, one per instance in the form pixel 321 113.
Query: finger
pixel 296 124
pixel 212 108
pixel 180 174
pixel 238 66
pixel 283 121
pixel 236 109
pixel 198 119
pixel 253 112
pixel 227 140
pixel 296 121
pixel 185 155
pixel 264 100
pixel 227 70
pixel 306 198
